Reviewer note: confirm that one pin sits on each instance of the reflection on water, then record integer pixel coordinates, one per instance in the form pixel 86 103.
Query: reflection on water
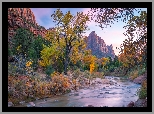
pixel 117 95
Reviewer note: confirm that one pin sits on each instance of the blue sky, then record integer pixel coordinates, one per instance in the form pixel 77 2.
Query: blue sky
pixel 111 35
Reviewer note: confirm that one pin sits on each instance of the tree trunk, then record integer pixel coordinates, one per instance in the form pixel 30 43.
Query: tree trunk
pixel 65 65
pixel 66 60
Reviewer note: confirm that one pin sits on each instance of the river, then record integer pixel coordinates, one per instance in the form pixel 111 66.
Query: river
pixel 119 94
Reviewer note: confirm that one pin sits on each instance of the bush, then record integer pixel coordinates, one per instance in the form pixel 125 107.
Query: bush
pixel 26 88
pixel 133 74
pixel 49 70
pixel 142 71
pixel 86 74
pixel 60 84
pixel 97 75
pixel 77 73
pixel 143 91
pixel 18 66
pixel 22 41
pixel 35 48
pixel 9 51
pixel 12 69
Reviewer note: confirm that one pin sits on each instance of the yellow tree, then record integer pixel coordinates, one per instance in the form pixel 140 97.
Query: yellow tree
pixel 92 67
pixel 104 61
pixel 77 51
pixel 88 58
pixel 70 28
pixel 53 54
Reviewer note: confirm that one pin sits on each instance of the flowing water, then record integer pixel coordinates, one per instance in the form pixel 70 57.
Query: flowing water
pixel 119 94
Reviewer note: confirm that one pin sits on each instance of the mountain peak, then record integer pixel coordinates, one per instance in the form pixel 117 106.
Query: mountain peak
pixel 99 47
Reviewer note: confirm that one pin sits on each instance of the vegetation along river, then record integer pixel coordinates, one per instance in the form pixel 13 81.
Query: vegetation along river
pixel 118 94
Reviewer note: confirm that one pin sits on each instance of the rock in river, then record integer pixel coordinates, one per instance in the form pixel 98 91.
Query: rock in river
pixel 10 104
pixel 30 104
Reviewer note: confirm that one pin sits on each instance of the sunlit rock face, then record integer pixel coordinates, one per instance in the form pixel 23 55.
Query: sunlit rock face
pixel 23 18
pixel 98 46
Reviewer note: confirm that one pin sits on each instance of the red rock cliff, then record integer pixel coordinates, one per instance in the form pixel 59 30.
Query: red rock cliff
pixel 23 18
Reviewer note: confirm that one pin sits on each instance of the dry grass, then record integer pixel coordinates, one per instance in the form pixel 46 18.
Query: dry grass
pixel 133 74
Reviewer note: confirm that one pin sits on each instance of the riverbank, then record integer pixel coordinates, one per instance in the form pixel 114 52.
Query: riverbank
pixel 142 101
pixel 108 92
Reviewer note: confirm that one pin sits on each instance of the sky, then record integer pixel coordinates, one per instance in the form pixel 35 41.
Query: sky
pixel 111 35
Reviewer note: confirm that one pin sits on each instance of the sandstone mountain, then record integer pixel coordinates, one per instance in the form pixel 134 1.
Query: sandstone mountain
pixel 23 18
pixel 98 46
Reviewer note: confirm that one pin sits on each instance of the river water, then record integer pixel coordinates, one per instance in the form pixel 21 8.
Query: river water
pixel 119 94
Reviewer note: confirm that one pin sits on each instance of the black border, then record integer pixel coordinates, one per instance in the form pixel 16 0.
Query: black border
pixel 6 5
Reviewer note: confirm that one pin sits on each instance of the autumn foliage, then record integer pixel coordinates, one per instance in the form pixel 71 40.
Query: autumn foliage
pixel 64 48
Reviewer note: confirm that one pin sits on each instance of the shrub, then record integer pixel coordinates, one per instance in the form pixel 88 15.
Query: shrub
pixel 25 88
pixel 142 71
pixel 133 74
pixel 97 75
pixel 35 48
pixel 143 93
pixel 60 84
pixel 86 74
pixel 22 41
pixel 49 70
pixel 143 90
pixel 77 73
pixel 12 69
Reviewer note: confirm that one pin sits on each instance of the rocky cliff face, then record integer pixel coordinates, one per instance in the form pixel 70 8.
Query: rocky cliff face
pixel 23 18
pixel 98 46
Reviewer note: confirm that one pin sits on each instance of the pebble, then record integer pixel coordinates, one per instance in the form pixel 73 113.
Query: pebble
pixel 30 104
pixel 37 98
pixel 22 102
pixel 107 92
pixel 10 104
pixel 56 100
pixel 76 94
pixel 131 104
pixel 45 100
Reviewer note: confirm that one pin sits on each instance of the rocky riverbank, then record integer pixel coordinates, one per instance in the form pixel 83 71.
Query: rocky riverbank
pixel 108 92
pixel 139 102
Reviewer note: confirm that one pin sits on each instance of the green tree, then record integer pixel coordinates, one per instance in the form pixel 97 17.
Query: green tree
pixel 22 41
pixel 35 49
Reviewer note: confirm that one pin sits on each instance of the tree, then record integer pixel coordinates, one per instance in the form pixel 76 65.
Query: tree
pixel 104 61
pixel 134 52
pixel 53 55
pixel 107 16
pixel 77 51
pixel 35 49
pixel 71 28
pixel 138 24
pixel 21 41
pixel 88 59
